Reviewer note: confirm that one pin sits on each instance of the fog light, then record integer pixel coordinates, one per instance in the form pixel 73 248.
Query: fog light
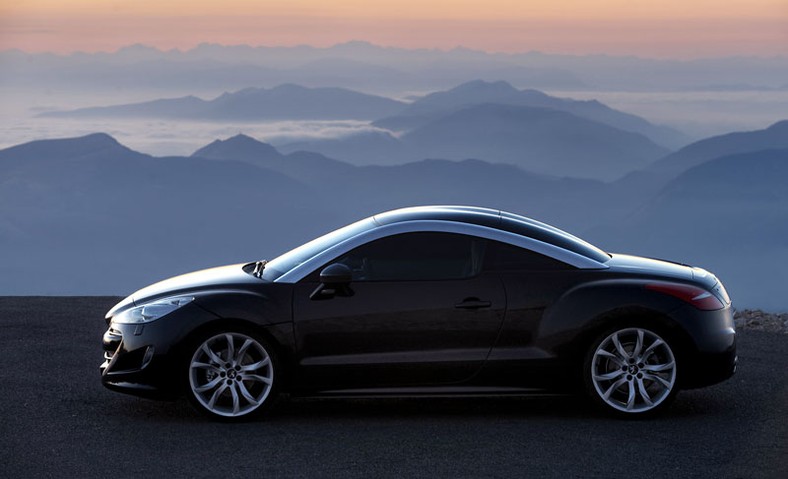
pixel 147 357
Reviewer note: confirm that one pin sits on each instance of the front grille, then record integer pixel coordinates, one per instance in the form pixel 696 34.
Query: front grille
pixel 110 342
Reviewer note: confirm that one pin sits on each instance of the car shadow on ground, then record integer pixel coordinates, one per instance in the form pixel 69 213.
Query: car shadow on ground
pixel 688 404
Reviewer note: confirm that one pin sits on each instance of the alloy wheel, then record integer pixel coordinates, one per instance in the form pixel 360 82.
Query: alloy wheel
pixel 231 374
pixel 633 370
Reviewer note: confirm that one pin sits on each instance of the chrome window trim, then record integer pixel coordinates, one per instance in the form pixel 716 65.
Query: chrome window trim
pixel 560 254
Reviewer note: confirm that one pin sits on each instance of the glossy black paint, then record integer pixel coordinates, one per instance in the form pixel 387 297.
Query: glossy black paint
pixel 498 331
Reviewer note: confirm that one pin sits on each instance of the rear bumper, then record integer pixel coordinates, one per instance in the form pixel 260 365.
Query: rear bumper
pixel 712 358
pixel 708 369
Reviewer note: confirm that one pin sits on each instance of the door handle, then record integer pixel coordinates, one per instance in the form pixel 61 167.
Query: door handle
pixel 473 303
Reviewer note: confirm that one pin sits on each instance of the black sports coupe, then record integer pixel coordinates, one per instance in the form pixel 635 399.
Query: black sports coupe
pixel 434 300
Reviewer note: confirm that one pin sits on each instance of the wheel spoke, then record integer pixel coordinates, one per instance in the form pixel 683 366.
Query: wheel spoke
pixel 620 348
pixel 608 376
pixel 209 385
pixel 205 366
pixel 230 348
pixel 644 393
pixel 212 355
pixel 638 344
pixel 246 394
pixel 216 394
pixel 240 354
pixel 658 367
pixel 651 349
pixel 236 402
pixel 256 366
pixel 657 378
pixel 611 356
pixel 631 398
pixel 613 387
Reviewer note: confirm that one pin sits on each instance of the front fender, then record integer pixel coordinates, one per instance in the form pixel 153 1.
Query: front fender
pixel 270 306
pixel 269 311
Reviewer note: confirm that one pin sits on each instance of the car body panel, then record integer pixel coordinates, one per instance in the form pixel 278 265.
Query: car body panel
pixel 403 332
pixel 408 337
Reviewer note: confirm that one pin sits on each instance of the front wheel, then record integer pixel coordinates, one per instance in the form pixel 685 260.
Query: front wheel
pixel 231 375
pixel 631 372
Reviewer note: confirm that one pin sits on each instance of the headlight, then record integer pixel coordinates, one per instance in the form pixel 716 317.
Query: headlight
pixel 151 311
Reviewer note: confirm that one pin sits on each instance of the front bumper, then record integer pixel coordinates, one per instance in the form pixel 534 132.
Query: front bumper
pixel 143 359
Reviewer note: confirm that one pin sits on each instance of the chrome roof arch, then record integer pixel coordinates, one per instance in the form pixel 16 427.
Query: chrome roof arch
pixel 384 229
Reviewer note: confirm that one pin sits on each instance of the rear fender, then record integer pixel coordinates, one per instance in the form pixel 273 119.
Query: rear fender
pixel 584 311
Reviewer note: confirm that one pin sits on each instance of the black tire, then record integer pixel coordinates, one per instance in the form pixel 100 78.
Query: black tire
pixel 631 371
pixel 231 375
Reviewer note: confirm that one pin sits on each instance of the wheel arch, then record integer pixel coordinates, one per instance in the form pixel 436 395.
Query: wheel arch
pixel 622 317
pixel 587 311
pixel 275 335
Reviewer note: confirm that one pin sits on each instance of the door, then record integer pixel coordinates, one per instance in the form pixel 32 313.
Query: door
pixel 421 313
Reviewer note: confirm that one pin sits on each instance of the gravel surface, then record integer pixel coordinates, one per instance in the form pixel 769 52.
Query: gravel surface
pixel 761 321
pixel 58 421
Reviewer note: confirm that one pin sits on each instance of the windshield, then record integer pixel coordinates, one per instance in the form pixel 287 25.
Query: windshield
pixel 284 263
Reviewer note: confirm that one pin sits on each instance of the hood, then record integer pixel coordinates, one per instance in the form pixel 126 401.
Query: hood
pixel 220 277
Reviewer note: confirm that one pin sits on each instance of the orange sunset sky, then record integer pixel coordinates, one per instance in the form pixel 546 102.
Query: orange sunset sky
pixel 666 28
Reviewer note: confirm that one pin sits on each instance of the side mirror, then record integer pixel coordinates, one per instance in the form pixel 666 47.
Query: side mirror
pixel 334 281
pixel 335 274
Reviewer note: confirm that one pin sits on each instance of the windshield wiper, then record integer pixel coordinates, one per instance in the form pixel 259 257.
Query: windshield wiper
pixel 259 266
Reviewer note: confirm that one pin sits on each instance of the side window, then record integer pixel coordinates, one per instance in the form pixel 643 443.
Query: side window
pixel 416 257
pixel 506 257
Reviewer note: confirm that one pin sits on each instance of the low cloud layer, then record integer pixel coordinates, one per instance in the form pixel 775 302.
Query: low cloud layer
pixel 162 138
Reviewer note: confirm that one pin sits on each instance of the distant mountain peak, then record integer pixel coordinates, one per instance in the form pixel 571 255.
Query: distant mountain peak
pixel 441 103
pixel 287 101
pixel 242 137
pixel 99 138
pixel 92 141
pixel 240 147
pixel 771 138
pixel 72 148
pixel 499 87
pixel 779 126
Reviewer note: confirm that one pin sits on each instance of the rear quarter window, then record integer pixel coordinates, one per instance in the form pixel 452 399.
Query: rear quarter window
pixel 505 257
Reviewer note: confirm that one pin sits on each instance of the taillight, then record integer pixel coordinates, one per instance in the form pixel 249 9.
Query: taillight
pixel 698 297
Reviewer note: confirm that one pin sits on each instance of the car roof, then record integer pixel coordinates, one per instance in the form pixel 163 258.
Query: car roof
pixel 493 218
pixel 461 214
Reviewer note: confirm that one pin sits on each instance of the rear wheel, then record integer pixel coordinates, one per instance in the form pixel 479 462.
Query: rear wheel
pixel 232 375
pixel 631 372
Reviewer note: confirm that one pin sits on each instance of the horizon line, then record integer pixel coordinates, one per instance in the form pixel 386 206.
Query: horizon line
pixel 387 47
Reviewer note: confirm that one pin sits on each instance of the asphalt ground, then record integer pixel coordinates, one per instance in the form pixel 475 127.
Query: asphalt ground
pixel 58 421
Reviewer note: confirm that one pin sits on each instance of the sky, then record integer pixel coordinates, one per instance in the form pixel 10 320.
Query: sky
pixel 661 29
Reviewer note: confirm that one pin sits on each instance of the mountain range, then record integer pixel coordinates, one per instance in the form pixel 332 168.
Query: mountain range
pixel 294 102
pixel 773 137
pixel 442 103
pixel 729 213
pixel 358 64
pixel 542 140
pixel 492 121
pixel 284 102
pixel 91 216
